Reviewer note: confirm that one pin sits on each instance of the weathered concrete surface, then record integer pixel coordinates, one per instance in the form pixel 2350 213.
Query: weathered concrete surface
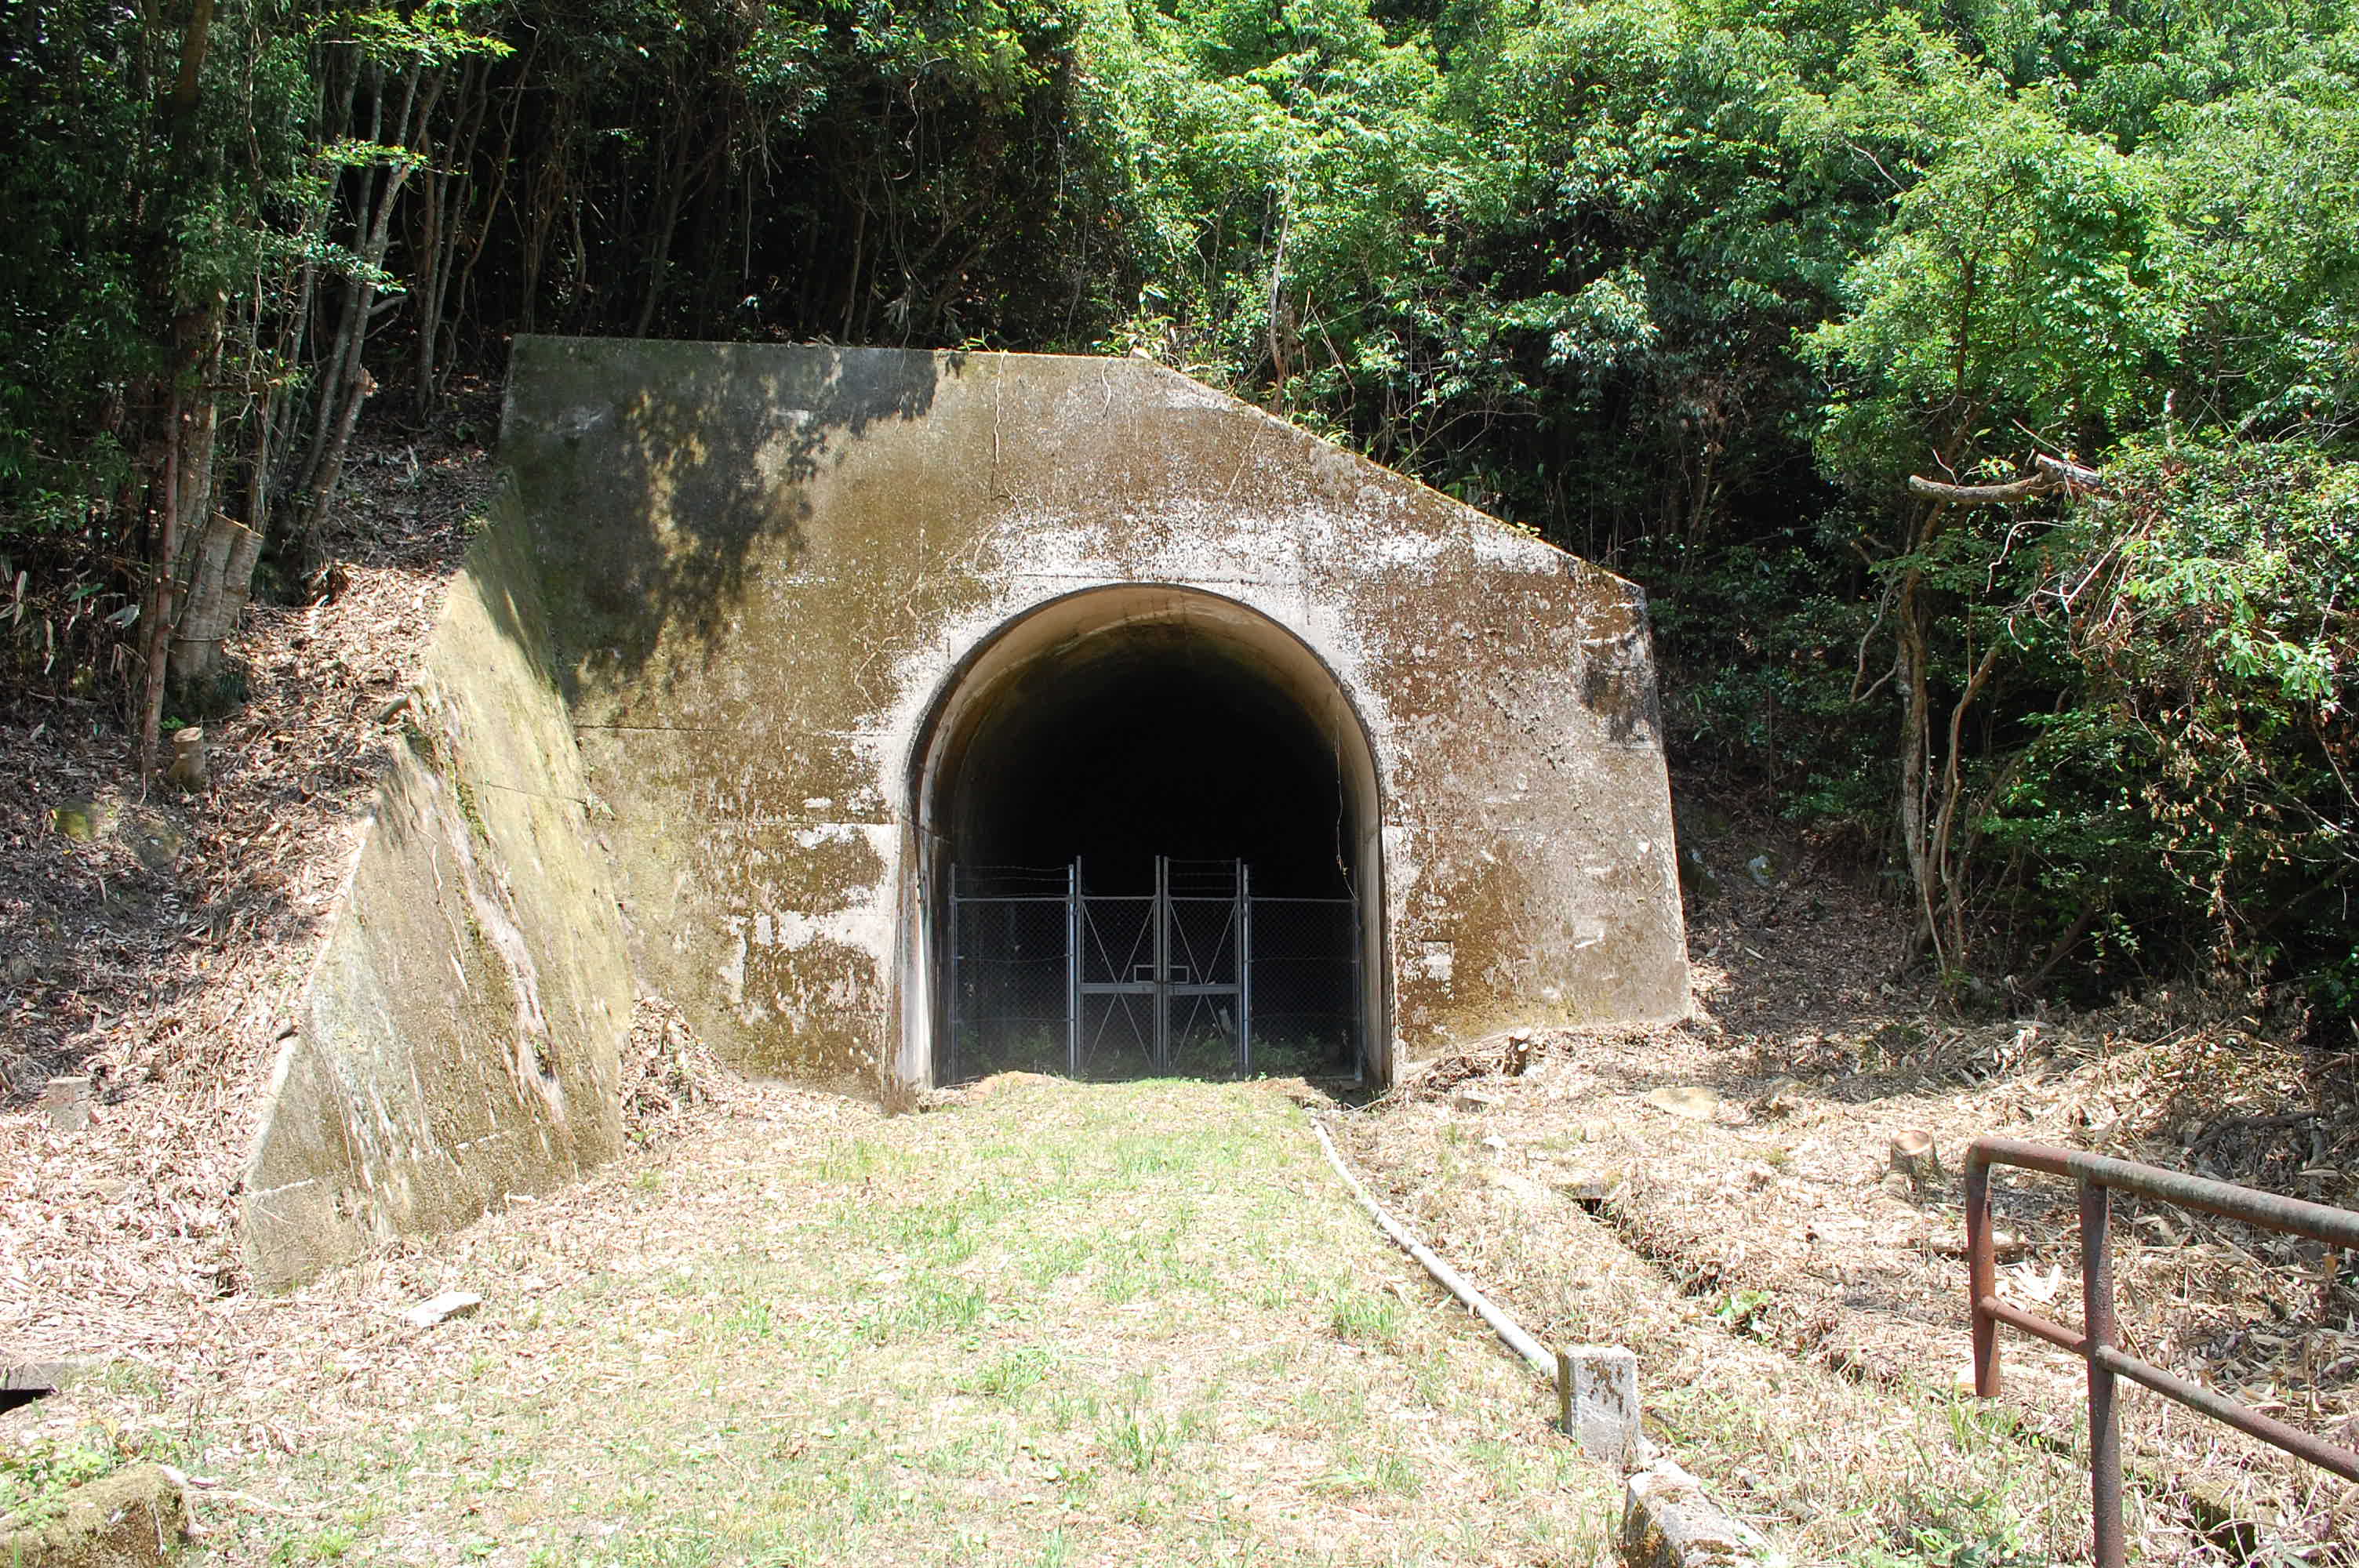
pixel 1669 1521
pixel 766 569
pixel 1597 1386
pixel 459 1034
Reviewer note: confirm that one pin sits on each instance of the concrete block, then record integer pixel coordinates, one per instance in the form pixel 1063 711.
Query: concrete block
pixel 66 1102
pixel 46 1375
pixel 1597 1393
pixel 442 1308
pixel 458 1040
pixel 1667 1521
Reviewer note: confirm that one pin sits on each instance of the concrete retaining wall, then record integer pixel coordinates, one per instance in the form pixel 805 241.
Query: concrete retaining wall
pixel 458 1037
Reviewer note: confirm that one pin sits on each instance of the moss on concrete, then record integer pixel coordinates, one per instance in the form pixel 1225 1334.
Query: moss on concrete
pixel 130 1518
pixel 459 1035
pixel 728 591
pixel 765 565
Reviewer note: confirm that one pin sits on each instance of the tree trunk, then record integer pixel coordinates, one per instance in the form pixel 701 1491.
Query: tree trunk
pixel 1910 655
pixel 159 591
pixel 220 581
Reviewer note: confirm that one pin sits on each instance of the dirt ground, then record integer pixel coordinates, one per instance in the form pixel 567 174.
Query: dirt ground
pixel 1053 1323
pixel 161 953
pixel 1754 1185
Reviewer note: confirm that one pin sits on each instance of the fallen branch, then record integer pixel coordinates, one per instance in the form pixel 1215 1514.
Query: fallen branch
pixel 2049 474
pixel 212 1484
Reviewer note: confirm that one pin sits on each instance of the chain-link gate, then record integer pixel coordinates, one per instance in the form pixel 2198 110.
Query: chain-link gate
pixel 1049 977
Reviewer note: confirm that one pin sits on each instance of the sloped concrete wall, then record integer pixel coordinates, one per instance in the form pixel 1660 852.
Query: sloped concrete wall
pixel 763 565
pixel 459 1035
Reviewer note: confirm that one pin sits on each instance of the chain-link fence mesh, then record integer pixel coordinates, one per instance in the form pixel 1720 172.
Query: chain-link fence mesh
pixel 1306 987
pixel 1010 1002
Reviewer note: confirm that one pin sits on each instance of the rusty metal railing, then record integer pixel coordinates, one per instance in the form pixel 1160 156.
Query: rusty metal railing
pixel 2097 1343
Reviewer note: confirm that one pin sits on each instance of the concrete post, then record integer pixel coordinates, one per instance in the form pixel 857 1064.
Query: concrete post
pixel 1597 1395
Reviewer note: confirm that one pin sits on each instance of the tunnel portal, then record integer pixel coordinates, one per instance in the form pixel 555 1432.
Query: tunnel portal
pixel 1155 852
pixel 774 666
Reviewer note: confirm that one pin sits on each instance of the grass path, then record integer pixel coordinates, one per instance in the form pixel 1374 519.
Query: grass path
pixel 1057 1324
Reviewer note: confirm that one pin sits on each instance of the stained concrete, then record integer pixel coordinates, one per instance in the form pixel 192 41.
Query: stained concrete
pixel 458 1037
pixel 769 568
pixel 696 713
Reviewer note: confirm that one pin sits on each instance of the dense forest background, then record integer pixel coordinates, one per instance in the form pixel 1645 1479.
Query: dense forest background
pixel 1971 383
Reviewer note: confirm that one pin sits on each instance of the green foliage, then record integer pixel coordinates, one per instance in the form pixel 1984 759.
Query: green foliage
pixel 2017 285
pixel 36 1478
pixel 2203 778
pixel 1689 286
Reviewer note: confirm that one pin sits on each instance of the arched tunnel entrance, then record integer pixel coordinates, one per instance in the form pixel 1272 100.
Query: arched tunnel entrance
pixel 1149 844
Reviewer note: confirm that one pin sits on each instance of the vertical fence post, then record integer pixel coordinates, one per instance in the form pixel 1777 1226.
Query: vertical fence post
pixel 1161 913
pixel 950 1003
pixel 1982 1276
pixel 1074 969
pixel 1365 1006
pixel 2104 1420
pixel 2099 1342
pixel 1245 970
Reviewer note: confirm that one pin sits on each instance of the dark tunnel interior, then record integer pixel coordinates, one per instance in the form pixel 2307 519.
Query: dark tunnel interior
pixel 1150 740
pixel 1147 743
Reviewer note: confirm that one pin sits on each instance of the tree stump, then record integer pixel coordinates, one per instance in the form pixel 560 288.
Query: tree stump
pixel 188 766
pixel 1913 1155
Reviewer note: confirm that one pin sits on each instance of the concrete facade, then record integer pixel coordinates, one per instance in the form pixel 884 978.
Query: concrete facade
pixel 770 594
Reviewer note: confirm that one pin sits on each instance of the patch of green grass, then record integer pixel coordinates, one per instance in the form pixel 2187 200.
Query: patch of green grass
pixel 1142 1266
pixel 929 1303
pixel 1136 1437
pixel 1370 1474
pixel 1006 1376
pixel 946 1231
pixel 1052 1259
pixel 1364 1317
pixel 35 1479
pixel 333 1544
pixel 854 1162
pixel 1148 1157
pixel 919 1358
pixel 751 1320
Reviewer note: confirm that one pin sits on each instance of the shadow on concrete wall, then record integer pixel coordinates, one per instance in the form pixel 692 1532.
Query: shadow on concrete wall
pixel 655 478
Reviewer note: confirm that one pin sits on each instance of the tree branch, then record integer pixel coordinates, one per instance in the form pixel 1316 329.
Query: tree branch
pixel 2050 474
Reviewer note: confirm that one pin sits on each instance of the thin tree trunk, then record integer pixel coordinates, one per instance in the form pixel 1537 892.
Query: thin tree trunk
pixel 476 232
pixel 1916 728
pixel 348 384
pixel 160 598
pixel 221 580
pixel 198 439
pixel 666 219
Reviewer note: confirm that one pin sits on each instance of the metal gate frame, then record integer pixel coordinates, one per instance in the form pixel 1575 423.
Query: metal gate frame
pixel 1173 956
pixel 1175 970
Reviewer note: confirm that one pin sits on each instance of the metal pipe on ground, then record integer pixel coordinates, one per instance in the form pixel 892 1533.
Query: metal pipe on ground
pixel 1450 1279
pixel 1667 1520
